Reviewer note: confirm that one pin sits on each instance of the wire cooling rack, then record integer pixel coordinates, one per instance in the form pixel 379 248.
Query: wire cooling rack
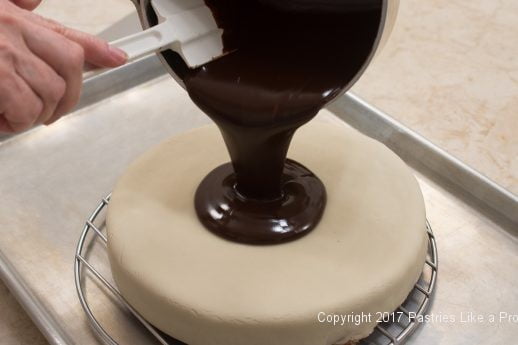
pixel 392 329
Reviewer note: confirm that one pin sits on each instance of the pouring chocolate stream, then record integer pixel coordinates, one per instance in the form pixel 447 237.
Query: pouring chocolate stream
pixel 290 59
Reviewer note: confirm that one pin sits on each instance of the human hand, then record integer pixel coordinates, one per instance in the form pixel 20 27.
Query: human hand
pixel 41 65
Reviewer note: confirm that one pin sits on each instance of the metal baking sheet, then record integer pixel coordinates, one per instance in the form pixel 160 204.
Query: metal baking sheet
pixel 52 178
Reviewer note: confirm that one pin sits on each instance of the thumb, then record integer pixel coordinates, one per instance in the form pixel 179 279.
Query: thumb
pixel 27 4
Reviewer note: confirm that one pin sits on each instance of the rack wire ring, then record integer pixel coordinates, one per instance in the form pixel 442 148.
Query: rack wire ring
pixel 383 330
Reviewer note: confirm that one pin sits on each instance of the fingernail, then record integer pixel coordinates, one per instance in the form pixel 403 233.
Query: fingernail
pixel 120 55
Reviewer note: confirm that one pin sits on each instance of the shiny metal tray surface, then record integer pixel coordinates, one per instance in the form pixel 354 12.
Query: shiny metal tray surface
pixel 51 178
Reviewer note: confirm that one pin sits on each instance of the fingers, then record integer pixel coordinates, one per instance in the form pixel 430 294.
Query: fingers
pixel 41 65
pixel 45 83
pixel 96 51
pixel 27 4
pixel 21 106
pixel 65 57
pixel 4 125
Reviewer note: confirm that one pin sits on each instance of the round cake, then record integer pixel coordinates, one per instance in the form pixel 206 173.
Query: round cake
pixel 363 258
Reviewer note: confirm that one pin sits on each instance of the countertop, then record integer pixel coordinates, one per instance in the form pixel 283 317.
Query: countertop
pixel 450 72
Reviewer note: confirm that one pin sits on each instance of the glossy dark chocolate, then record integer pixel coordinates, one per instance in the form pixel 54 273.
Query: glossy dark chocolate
pixel 290 59
pixel 227 213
